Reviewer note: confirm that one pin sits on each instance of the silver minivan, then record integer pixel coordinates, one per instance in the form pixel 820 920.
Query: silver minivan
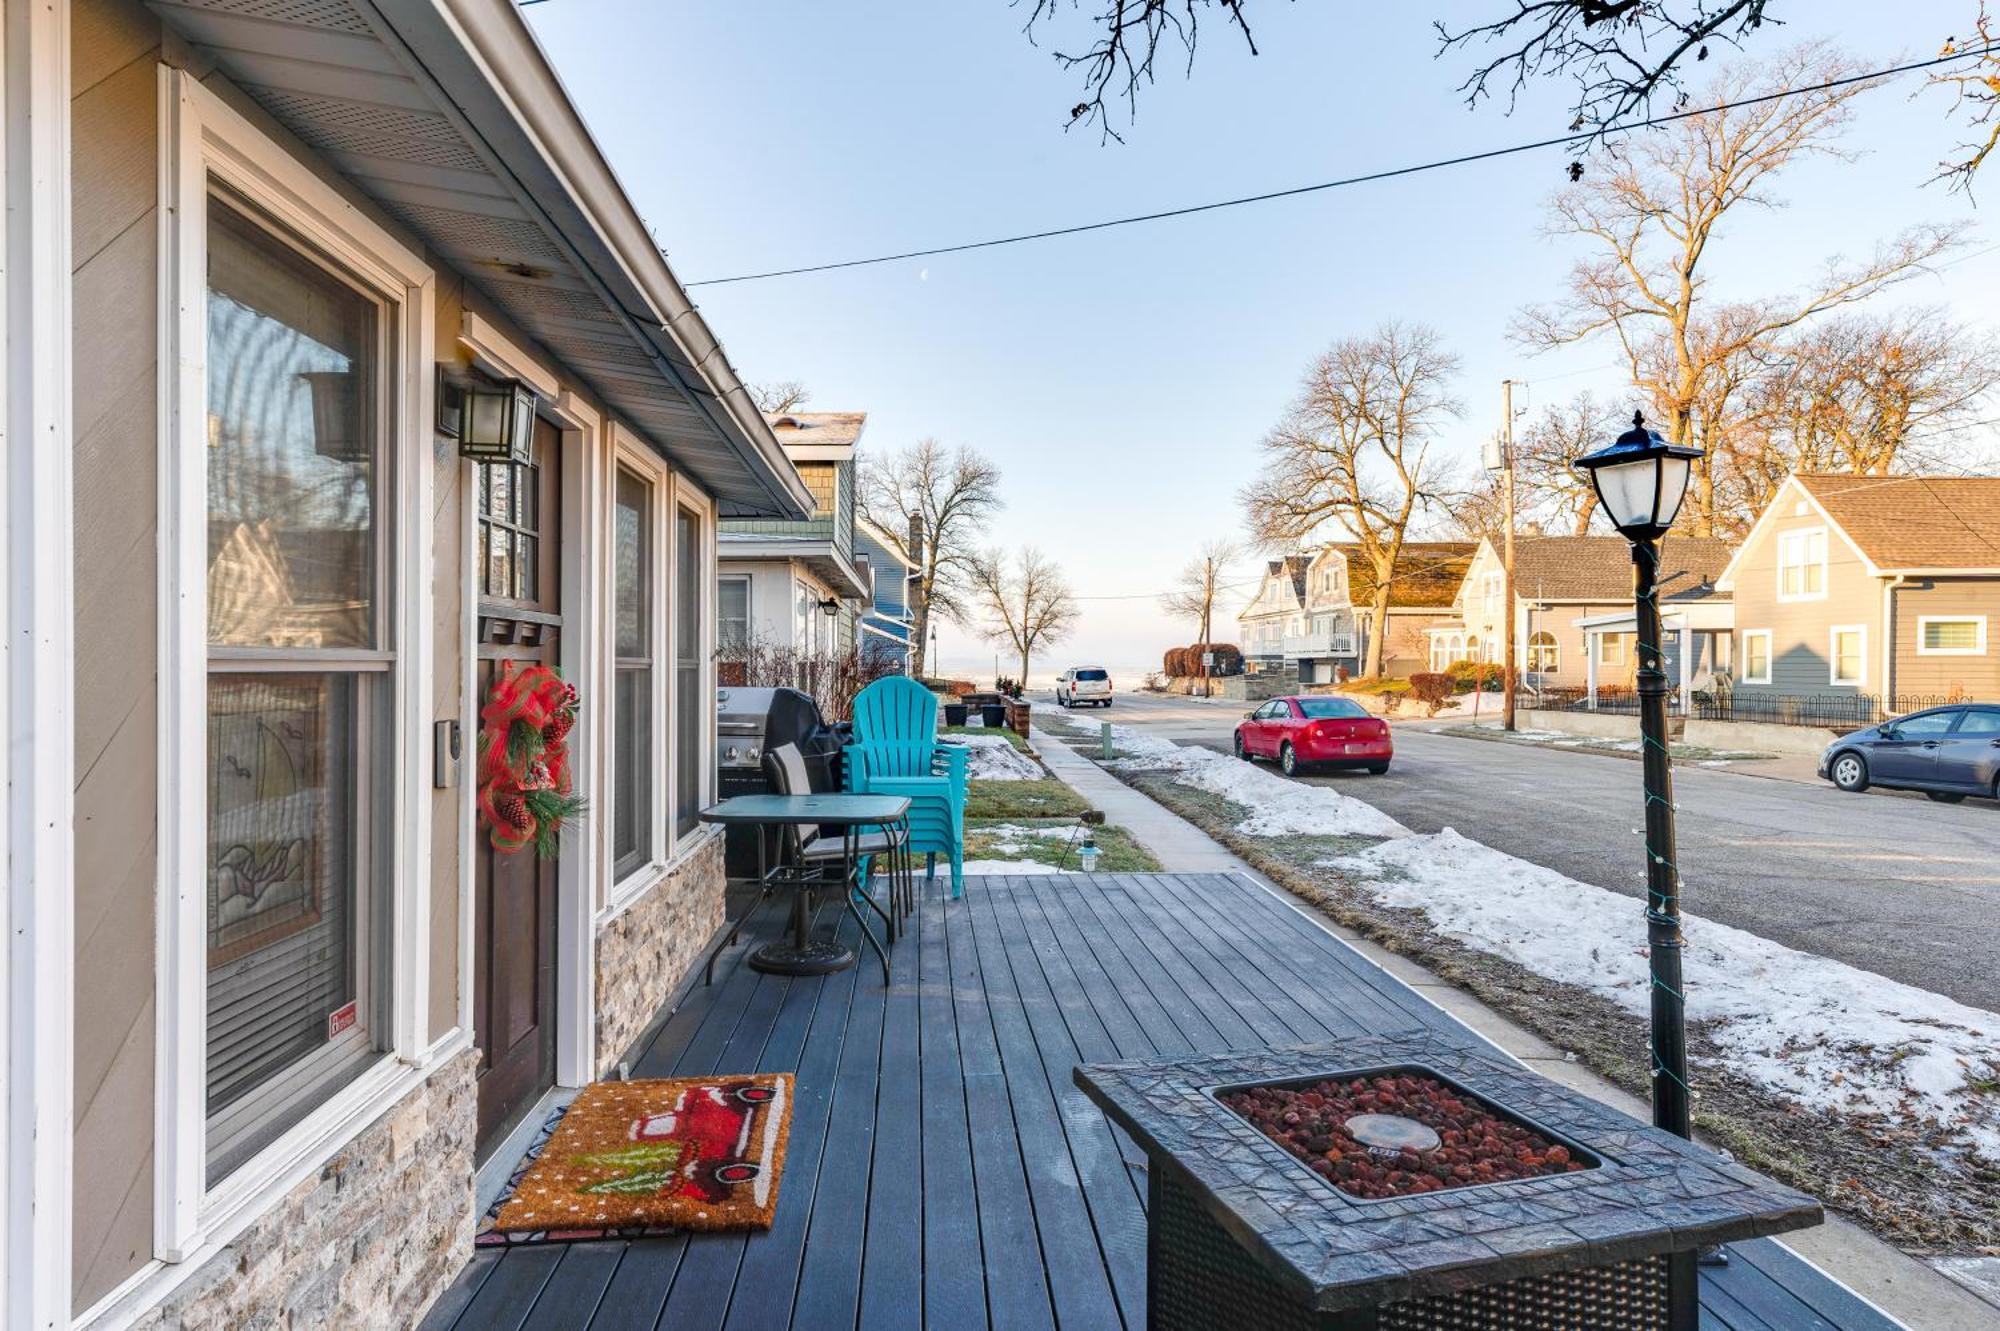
pixel 1081 686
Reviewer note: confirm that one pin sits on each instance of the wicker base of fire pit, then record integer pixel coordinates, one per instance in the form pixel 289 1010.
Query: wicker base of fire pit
pixel 1352 1187
pixel 1201 1279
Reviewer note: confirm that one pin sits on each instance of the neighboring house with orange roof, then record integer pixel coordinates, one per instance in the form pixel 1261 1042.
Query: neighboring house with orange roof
pixel 1884 587
pixel 1340 606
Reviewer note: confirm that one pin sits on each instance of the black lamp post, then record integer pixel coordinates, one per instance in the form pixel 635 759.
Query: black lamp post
pixel 1641 480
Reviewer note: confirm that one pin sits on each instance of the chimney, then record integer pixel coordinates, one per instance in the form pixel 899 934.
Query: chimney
pixel 916 538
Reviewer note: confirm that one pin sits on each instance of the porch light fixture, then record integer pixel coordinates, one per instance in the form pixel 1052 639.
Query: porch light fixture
pixel 830 607
pixel 1641 480
pixel 495 422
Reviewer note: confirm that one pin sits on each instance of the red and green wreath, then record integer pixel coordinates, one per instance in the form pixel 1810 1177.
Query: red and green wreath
pixel 524 780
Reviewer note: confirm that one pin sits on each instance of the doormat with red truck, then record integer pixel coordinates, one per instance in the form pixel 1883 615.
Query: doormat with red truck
pixel 629 1159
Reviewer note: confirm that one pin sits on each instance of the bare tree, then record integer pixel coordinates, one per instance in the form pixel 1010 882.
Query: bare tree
pixel 1622 56
pixel 1977 96
pixel 1652 222
pixel 1201 584
pixel 1872 394
pixel 1026 602
pixel 1353 453
pixel 779 398
pixel 1559 495
pixel 1619 53
pixel 944 497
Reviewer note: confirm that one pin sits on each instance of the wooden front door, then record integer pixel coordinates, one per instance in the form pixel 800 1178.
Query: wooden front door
pixel 520 620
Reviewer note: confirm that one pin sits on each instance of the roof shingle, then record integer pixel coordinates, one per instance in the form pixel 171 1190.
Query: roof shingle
pixel 1426 575
pixel 1910 522
pixel 1599 568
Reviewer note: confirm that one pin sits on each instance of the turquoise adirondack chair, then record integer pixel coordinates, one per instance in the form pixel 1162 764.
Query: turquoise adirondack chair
pixel 896 752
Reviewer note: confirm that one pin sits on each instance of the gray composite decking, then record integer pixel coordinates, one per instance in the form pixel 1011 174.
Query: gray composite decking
pixel 944 1172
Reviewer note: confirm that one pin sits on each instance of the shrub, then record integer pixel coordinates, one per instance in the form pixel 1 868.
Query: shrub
pixel 1486 676
pixel 1228 658
pixel 1431 689
pixel 1175 663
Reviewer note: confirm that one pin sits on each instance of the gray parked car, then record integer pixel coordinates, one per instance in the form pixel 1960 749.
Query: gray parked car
pixel 1946 752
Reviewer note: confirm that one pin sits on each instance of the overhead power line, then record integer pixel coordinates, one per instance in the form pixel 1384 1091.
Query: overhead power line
pixel 1439 164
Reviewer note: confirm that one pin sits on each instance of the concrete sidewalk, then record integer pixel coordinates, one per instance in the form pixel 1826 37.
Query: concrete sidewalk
pixel 1899 1284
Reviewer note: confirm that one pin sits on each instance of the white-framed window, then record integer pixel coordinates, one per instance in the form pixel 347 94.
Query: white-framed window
pixel 1847 654
pixel 635 636
pixel 1756 656
pixel 294 817
pixel 1802 564
pixel 732 614
pixel 1491 587
pixel 1612 648
pixel 1544 653
pixel 694 694
pixel 1951 635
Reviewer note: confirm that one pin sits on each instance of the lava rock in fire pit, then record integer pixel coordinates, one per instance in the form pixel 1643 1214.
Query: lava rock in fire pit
pixel 1474 1144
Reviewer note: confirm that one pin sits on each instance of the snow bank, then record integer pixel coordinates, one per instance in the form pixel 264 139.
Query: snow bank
pixel 1827 1034
pixel 1278 807
pixel 979 867
pixel 995 759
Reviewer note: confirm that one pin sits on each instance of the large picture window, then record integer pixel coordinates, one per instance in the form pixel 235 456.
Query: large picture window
pixel 299 659
pixel 632 737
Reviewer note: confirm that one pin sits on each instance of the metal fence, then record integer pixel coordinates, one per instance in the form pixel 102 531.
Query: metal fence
pixel 1825 710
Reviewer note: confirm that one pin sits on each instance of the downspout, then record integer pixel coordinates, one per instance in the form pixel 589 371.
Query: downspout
pixel 1889 586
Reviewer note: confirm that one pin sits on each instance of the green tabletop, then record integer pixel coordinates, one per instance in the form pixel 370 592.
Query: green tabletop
pixel 854 810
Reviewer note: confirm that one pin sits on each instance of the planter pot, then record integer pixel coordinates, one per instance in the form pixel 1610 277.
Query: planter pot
pixel 955 713
pixel 994 715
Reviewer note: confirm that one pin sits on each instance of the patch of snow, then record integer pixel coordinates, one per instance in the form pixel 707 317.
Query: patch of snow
pixel 1012 838
pixel 1827 1034
pixel 996 759
pixel 1278 806
pixel 981 867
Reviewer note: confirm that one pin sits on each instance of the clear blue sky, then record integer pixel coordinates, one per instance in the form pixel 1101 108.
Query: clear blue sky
pixel 1122 380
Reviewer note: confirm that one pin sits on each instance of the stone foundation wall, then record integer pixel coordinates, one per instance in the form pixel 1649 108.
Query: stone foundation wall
pixel 370 1240
pixel 644 954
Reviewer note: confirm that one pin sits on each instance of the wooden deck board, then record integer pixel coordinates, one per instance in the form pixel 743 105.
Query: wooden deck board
pixel 943 1171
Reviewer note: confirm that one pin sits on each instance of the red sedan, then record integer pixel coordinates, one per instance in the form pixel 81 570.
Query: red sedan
pixel 1315 731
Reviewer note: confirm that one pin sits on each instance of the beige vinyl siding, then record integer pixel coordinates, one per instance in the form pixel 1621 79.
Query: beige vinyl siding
pixel 1572 668
pixel 1919 676
pixel 115 49
pixel 1800 630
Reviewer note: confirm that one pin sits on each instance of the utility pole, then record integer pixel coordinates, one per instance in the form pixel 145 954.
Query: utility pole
pixel 1507 664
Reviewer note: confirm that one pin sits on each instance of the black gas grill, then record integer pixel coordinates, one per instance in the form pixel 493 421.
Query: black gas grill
pixel 750 723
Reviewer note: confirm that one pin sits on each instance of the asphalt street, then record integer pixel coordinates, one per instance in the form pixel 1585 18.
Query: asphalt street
pixel 1888 882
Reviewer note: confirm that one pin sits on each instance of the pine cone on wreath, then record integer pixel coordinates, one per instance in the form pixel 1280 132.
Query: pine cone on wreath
pixel 555 730
pixel 513 809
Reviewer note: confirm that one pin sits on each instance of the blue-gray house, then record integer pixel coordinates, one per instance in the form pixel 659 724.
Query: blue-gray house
pixel 887 625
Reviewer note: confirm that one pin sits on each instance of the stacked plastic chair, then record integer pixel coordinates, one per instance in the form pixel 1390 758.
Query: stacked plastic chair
pixel 895 751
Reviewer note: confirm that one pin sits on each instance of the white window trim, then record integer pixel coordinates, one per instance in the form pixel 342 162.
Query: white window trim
pixel 1769 659
pixel 634 456
pixel 38 835
pixel 1833 657
pixel 1925 620
pixel 687 495
pixel 1802 534
pixel 202 137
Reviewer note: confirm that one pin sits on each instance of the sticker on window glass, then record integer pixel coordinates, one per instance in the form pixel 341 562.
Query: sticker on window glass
pixel 341 1019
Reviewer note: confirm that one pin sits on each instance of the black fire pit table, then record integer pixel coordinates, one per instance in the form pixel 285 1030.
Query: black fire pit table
pixel 1420 1185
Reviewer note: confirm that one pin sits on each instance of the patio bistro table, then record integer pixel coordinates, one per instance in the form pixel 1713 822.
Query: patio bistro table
pixel 804 954
pixel 1240 1231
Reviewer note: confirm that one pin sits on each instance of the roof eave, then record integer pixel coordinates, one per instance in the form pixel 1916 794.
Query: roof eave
pixel 484 57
